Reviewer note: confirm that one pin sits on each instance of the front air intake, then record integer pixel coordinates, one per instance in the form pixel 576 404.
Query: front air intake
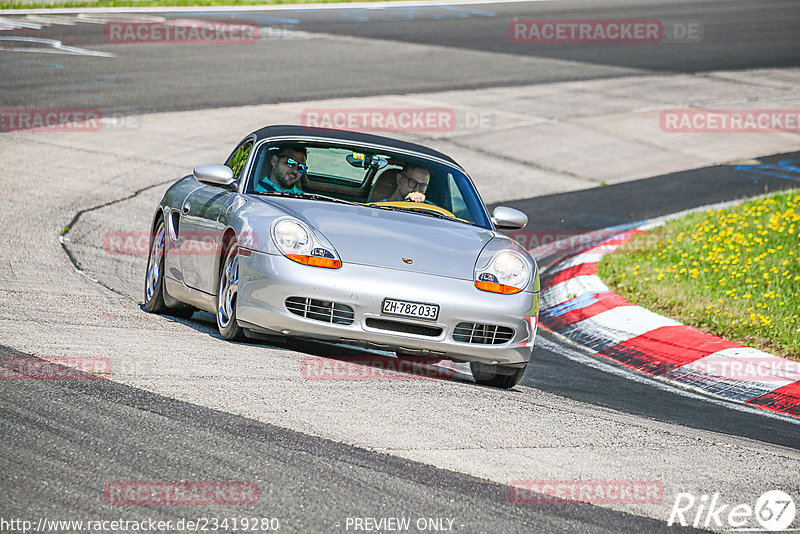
pixel 320 310
pixel 405 328
pixel 484 334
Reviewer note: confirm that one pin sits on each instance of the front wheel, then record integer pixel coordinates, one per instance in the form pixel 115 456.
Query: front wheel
pixel 154 276
pixel 227 296
pixel 154 301
pixel 498 376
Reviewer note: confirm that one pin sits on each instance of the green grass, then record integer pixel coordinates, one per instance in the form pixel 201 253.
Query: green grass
pixel 734 273
pixel 160 3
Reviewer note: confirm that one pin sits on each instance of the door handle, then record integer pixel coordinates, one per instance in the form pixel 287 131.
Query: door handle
pixel 186 207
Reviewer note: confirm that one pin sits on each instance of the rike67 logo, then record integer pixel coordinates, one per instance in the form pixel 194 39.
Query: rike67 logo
pixel 773 511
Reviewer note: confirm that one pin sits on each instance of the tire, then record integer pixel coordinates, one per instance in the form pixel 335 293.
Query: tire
pixel 154 301
pixel 154 275
pixel 227 293
pixel 497 376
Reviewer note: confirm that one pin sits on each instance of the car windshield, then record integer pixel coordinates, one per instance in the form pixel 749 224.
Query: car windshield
pixel 378 179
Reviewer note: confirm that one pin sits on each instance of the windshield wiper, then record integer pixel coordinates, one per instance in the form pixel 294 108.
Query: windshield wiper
pixel 310 196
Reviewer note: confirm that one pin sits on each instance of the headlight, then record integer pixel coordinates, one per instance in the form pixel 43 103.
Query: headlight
pixel 291 238
pixel 299 244
pixel 506 273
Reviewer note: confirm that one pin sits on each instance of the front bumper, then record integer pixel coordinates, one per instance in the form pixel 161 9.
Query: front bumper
pixel 266 281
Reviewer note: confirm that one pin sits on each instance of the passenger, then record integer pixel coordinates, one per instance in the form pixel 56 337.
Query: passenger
pixel 412 183
pixel 288 168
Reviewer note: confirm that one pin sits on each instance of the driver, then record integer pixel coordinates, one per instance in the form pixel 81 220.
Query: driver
pixel 412 183
pixel 288 167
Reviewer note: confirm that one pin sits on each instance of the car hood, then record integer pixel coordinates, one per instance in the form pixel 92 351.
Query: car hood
pixel 384 238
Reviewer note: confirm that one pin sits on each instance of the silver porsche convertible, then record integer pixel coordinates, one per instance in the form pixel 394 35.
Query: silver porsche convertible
pixel 347 238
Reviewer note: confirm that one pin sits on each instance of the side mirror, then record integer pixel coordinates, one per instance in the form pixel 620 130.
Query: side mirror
pixel 505 218
pixel 219 175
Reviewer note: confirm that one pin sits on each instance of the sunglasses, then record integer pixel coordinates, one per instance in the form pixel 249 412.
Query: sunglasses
pixel 412 183
pixel 292 163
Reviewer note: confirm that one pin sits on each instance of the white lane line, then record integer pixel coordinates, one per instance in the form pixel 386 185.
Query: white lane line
pixel 100 18
pixel 602 364
pixel 47 20
pixel 8 24
pixel 55 47
pixel 277 32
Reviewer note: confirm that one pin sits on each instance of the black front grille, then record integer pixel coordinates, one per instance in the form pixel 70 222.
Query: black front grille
pixel 320 310
pixel 406 328
pixel 484 334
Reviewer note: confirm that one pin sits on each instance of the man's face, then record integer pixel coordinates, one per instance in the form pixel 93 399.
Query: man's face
pixel 414 179
pixel 285 176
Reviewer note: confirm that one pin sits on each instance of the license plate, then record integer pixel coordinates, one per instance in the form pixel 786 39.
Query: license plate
pixel 416 310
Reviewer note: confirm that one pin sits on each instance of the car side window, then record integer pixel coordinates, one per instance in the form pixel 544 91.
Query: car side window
pixel 239 158
pixel 457 204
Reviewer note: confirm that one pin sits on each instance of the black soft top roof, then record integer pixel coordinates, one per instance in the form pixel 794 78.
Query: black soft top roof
pixel 345 135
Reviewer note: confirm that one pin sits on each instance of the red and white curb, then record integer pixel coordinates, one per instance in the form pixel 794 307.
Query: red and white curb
pixel 576 304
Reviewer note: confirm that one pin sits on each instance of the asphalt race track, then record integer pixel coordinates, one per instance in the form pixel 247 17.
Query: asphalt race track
pixel 736 35
pixel 184 405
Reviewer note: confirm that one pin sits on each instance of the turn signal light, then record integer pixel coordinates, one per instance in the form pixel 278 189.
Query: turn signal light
pixel 315 261
pixel 494 287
